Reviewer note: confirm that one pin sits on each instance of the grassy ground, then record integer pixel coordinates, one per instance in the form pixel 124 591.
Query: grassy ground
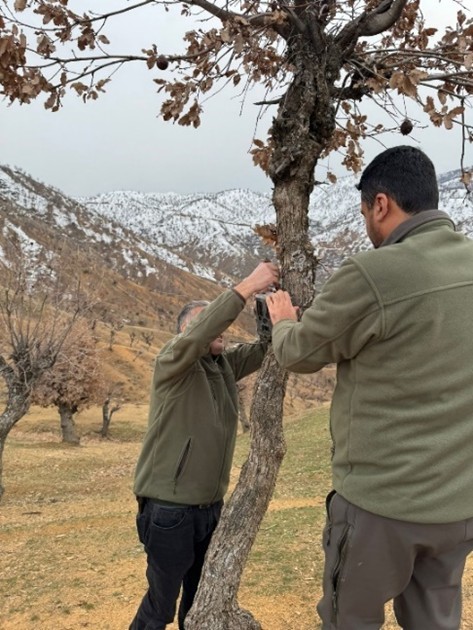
pixel 69 553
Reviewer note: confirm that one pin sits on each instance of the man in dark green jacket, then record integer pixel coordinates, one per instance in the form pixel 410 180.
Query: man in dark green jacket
pixel 397 320
pixel 183 470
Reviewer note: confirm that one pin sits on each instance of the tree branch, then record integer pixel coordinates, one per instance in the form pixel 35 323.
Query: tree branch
pixel 257 20
pixel 221 14
pixel 382 18
pixel 371 23
pixel 294 19
pixel 275 101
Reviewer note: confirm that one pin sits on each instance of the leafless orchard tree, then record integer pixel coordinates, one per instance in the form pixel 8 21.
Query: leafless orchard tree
pixel 36 317
pixel 115 326
pixel 132 335
pixel 113 402
pixel 148 339
pixel 318 60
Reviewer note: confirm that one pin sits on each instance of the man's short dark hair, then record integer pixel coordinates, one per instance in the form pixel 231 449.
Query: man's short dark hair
pixel 406 175
pixel 186 311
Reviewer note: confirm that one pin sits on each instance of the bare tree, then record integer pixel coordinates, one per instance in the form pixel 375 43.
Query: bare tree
pixel 112 403
pixel 148 338
pixel 75 382
pixel 115 326
pixel 318 61
pixel 132 335
pixel 36 317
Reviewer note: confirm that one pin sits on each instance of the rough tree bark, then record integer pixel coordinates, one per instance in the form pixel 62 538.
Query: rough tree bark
pixel 305 120
pixel 2 446
pixel 68 426
pixel 18 403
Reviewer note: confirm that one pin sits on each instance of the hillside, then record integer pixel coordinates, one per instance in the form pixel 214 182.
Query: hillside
pixel 136 294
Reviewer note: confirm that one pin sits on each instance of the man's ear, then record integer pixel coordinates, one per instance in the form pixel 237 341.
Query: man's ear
pixel 381 207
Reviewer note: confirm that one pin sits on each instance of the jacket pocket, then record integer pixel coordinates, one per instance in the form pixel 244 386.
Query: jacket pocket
pixel 182 461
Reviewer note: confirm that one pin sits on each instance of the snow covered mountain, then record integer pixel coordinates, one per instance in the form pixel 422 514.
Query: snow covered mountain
pixel 137 282
pixel 212 234
pixel 155 240
pixel 209 234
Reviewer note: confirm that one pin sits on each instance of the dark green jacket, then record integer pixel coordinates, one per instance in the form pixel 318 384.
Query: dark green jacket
pixel 188 448
pixel 398 321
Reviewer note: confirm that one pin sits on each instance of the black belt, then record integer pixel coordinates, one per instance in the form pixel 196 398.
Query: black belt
pixel 171 504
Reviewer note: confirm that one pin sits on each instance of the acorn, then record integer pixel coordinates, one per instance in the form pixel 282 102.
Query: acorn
pixel 406 127
pixel 162 63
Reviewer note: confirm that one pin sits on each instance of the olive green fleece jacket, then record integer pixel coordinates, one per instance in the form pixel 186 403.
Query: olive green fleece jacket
pixel 398 321
pixel 188 449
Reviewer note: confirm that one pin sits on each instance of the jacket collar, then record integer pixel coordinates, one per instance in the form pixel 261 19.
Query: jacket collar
pixel 417 220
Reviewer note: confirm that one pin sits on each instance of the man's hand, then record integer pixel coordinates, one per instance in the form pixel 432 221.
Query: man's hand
pixel 280 307
pixel 259 280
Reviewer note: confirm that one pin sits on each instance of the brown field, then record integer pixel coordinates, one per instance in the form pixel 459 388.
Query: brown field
pixel 70 558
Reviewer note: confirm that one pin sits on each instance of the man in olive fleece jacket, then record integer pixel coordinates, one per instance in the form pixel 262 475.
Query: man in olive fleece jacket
pixel 183 470
pixel 397 320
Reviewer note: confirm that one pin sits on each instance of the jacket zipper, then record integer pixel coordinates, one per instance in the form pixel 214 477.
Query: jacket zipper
pixel 214 396
pixel 182 461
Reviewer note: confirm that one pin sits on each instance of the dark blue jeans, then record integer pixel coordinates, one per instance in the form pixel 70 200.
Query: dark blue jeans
pixel 176 539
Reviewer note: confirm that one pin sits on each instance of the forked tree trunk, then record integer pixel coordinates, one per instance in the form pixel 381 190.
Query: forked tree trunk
pixel 107 413
pixel 304 125
pixel 68 426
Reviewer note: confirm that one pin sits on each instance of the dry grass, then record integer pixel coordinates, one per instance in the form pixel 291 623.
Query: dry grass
pixel 70 556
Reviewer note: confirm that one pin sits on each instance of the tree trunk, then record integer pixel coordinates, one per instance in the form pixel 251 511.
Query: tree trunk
pixel 301 130
pixel 107 414
pixel 106 418
pixel 68 427
pixel 216 606
pixel 2 445
pixel 17 406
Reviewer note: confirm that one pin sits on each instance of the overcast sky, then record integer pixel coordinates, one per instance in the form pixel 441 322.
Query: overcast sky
pixel 119 143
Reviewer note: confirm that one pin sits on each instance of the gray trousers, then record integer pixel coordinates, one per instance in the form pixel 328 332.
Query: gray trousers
pixel 370 560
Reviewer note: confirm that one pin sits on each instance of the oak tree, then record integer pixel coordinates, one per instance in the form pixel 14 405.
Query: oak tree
pixel 74 382
pixel 319 62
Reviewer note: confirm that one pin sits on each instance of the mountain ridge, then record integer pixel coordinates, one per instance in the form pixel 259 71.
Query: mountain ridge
pixel 217 230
